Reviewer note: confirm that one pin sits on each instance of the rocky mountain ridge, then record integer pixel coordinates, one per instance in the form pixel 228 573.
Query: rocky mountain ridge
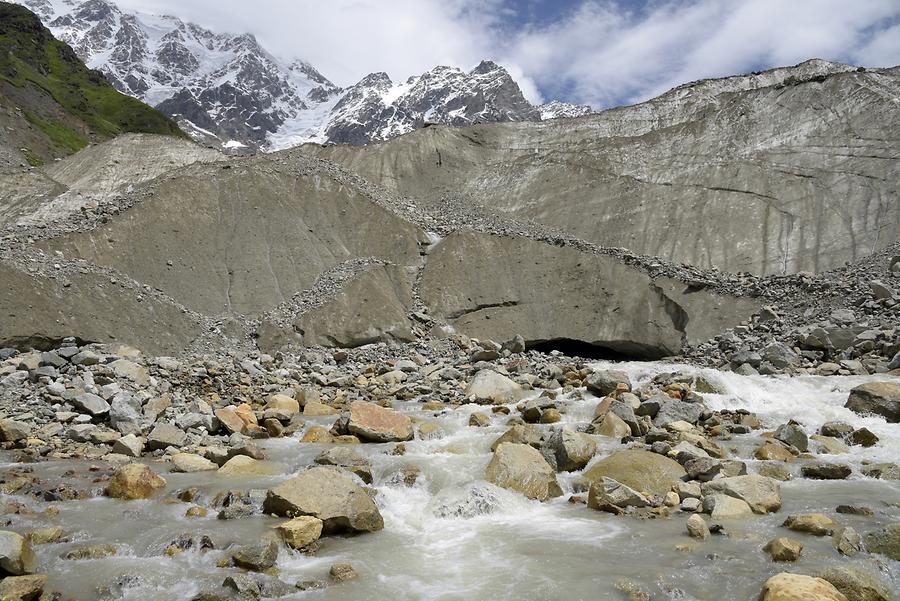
pixel 228 91
pixel 792 169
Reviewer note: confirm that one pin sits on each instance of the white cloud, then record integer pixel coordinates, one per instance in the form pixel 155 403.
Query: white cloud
pixel 604 54
pixel 601 53
pixel 348 39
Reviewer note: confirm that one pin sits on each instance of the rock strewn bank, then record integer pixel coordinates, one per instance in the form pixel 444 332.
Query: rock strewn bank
pixel 213 414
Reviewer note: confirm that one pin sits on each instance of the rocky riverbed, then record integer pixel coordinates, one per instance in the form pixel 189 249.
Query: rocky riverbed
pixel 452 469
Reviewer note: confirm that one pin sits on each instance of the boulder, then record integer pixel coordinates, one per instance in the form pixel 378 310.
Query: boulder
pixel 674 410
pixel 16 556
pixel 189 463
pixel 879 398
pixel 257 557
pixel 13 431
pixel 348 459
pixel 520 434
pixel 762 494
pixel 329 494
pixel 134 481
pixel 780 355
pixel 613 426
pixel 572 450
pixel 796 587
pixel 318 409
pixel 817 524
pixel 129 445
pixel 124 368
pixel 697 527
pixel 856 584
pixel 721 506
pixel 826 471
pixel 608 493
pixel 784 549
pixel 792 434
pixel 242 465
pixel 847 541
pixel 606 381
pixel 231 420
pixel 773 451
pixel 885 541
pixel 522 468
pixel 91 404
pixel 281 402
pixel 301 531
pixel 373 423
pixel 645 472
pixel 164 436
pixel 22 588
pixel 341 572
pixel 490 386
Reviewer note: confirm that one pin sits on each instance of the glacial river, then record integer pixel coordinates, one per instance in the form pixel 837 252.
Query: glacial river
pixel 453 537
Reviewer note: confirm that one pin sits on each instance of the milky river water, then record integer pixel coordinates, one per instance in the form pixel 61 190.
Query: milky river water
pixel 452 536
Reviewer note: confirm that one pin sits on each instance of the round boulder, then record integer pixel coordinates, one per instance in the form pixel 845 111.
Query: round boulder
pixel 797 587
pixel 134 481
pixel 327 493
pixel 522 468
pixel 642 471
pixel 373 423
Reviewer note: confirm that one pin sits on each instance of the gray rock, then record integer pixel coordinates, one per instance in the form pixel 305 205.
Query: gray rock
pixel 128 445
pixel 91 404
pixel 879 398
pixel 164 436
pixel 793 435
pixel 608 492
pixel 604 382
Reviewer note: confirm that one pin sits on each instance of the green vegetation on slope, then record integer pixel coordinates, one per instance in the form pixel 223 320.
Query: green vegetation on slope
pixel 29 54
pixel 63 137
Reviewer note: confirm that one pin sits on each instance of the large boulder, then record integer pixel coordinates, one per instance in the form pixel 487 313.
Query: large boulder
pixel 16 556
pixel 605 381
pixel 645 472
pixel 572 450
pixel 761 493
pixel 797 587
pixel 856 584
pixel 134 481
pixel 22 588
pixel 885 541
pixel 880 398
pixel 609 492
pixel 522 468
pixel 301 531
pixel 488 385
pixel 329 494
pixel 91 404
pixel 373 423
pixel 164 436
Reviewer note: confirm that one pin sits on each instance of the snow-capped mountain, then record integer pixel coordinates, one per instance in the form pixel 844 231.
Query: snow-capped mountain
pixel 227 90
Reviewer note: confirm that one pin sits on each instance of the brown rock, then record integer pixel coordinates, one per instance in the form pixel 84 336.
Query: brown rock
pixel 134 481
pixel 373 423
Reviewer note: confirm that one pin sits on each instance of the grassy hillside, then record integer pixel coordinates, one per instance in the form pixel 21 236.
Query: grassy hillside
pixel 30 57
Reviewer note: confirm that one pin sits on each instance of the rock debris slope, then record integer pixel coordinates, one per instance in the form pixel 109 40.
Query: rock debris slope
pixel 288 249
pixel 789 170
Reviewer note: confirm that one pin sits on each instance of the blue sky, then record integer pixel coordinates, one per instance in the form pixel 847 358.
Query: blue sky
pixel 598 52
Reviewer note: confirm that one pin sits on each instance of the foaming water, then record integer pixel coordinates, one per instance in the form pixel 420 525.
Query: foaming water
pixel 452 536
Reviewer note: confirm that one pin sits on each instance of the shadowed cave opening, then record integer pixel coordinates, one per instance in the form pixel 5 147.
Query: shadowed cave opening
pixel 607 351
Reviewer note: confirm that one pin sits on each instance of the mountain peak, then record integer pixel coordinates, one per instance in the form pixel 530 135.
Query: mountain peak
pixel 227 88
pixel 486 66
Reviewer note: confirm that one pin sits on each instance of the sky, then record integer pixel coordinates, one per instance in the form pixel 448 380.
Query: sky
pixel 597 52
